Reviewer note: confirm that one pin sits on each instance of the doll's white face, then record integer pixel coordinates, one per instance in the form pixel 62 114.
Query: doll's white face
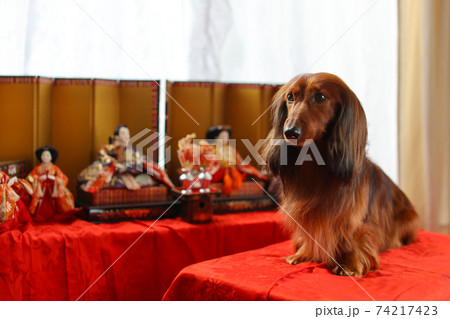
pixel 224 136
pixel 124 136
pixel 46 157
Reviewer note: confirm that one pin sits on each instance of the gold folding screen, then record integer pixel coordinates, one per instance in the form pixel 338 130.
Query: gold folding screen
pixel 72 133
pixel 22 120
pixel 43 113
pixel 106 112
pixel 77 116
pixel 243 106
pixel 139 102
pixel 74 115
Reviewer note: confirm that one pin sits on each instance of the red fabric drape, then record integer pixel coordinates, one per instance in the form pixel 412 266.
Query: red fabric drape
pixel 60 261
pixel 420 271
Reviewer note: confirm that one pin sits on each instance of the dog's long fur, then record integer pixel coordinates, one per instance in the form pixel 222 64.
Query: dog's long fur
pixel 349 205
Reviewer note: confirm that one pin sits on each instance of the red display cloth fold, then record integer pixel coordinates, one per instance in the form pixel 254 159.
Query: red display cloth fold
pixel 61 261
pixel 419 271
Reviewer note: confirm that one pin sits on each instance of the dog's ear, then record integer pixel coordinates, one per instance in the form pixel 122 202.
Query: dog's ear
pixel 271 153
pixel 347 142
pixel 278 116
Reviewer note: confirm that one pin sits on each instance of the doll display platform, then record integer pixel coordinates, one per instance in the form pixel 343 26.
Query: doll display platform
pixel 249 197
pixel 111 204
pixel 217 158
pixel 114 204
pixel 109 196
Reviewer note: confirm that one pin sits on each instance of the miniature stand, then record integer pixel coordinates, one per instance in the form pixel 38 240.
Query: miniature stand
pixel 196 207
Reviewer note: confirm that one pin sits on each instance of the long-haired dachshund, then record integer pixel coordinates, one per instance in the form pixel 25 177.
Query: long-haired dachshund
pixel 348 210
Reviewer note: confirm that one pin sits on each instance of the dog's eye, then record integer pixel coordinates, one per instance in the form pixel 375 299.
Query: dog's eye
pixel 290 98
pixel 319 98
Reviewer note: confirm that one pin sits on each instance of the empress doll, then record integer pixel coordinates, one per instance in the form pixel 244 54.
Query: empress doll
pixel 51 199
pixel 229 167
pixel 13 211
pixel 119 165
pixel 194 155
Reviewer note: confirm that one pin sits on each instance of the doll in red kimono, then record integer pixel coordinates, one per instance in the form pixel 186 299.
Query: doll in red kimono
pixel 228 167
pixel 117 166
pixel 13 211
pixel 193 156
pixel 51 200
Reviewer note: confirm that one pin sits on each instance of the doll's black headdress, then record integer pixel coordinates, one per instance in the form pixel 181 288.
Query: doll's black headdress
pixel 214 131
pixel 53 151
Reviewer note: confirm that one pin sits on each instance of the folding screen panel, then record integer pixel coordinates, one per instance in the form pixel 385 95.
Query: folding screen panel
pixel 25 110
pixel 17 101
pixel 139 102
pixel 44 118
pixel 106 113
pixel 242 106
pixel 189 110
pixel 133 103
pixel 219 91
pixel 73 132
pixel 94 108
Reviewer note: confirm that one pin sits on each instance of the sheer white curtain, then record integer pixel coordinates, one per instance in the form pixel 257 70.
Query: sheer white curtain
pixel 221 40
pixel 95 39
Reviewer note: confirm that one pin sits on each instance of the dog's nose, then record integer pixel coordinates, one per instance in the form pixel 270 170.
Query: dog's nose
pixel 292 132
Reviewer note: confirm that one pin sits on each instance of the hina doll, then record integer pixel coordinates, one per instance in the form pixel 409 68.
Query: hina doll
pixel 13 211
pixel 193 156
pixel 51 200
pixel 119 165
pixel 228 167
pixel 196 159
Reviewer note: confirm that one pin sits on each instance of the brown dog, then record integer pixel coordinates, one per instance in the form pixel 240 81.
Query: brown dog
pixel 348 210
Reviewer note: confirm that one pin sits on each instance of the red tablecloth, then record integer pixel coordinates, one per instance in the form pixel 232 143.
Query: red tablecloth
pixel 60 261
pixel 420 271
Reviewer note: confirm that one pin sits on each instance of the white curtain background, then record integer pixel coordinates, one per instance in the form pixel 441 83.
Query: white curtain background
pixel 215 40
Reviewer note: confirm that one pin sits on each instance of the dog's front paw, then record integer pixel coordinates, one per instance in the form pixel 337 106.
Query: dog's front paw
pixel 294 259
pixel 344 270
